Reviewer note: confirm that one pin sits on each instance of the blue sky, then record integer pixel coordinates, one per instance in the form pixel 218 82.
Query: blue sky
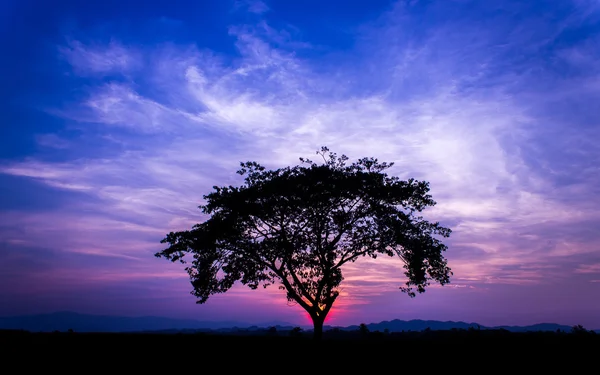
pixel 117 118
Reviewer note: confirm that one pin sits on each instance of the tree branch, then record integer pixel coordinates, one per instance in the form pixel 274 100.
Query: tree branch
pixel 354 256
pixel 291 290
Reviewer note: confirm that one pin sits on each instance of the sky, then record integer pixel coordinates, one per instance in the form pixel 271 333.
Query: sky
pixel 117 118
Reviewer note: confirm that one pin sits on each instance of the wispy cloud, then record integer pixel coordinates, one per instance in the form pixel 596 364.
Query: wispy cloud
pixel 252 6
pixel 589 268
pixel 52 141
pixel 99 58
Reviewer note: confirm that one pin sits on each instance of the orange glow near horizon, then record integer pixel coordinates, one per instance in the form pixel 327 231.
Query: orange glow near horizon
pixel 332 314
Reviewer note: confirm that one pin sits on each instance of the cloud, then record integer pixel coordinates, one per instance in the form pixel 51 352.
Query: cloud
pixel 252 6
pixel 589 268
pixel 450 103
pixel 99 59
pixel 52 141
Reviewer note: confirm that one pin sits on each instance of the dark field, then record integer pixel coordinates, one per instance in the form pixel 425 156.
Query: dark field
pixel 346 351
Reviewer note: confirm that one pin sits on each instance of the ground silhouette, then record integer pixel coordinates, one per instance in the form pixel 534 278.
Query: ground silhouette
pixel 469 351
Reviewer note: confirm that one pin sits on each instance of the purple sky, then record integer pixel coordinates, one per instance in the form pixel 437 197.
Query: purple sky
pixel 117 120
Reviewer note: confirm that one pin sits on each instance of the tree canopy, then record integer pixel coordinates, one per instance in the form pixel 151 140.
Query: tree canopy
pixel 298 226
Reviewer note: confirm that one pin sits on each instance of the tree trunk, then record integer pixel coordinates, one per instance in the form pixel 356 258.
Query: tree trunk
pixel 318 328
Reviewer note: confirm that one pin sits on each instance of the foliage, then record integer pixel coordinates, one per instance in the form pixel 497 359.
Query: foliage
pixel 363 329
pixel 580 330
pixel 298 226
pixel 296 332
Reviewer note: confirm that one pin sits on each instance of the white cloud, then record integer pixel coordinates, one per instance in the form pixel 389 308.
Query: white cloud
pixel 100 59
pixel 273 107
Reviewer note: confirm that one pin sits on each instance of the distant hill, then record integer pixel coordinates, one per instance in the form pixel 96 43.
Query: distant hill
pixel 413 325
pixel 435 325
pixel 63 321
pixel 538 327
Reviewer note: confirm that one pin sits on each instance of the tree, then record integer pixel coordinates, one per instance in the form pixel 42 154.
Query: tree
pixel 298 226
pixel 296 332
pixel 579 330
pixel 363 329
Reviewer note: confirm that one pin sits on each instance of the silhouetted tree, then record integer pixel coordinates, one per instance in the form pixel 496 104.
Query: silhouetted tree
pixel 578 330
pixel 298 226
pixel 363 329
pixel 296 332
pixel 272 331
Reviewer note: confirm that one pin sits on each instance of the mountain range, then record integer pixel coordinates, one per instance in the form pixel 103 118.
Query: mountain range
pixel 63 321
